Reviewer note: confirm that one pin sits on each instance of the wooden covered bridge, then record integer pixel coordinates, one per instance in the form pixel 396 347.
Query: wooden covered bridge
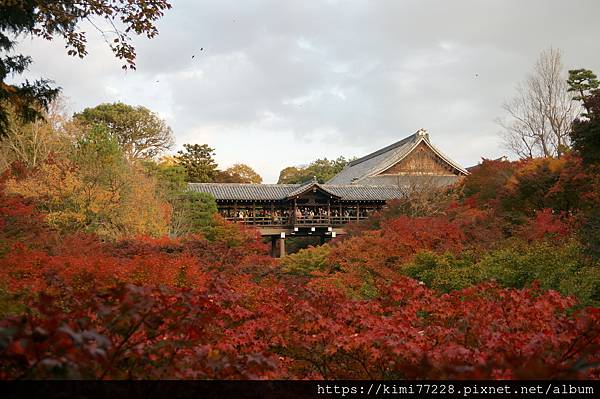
pixel 362 187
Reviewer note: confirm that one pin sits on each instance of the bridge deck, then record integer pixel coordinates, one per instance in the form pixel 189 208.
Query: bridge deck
pixel 296 222
pixel 301 227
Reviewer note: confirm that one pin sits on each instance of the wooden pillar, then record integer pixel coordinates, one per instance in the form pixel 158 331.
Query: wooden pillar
pixel 294 214
pixel 357 211
pixel 274 246
pixel 329 210
pixel 281 247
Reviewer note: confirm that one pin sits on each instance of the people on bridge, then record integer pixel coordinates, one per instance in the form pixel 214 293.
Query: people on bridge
pixel 308 214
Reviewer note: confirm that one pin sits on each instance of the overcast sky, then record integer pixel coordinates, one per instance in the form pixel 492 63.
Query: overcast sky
pixel 281 83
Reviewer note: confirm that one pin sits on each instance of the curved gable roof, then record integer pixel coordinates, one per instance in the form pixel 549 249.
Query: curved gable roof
pixel 313 184
pixel 382 159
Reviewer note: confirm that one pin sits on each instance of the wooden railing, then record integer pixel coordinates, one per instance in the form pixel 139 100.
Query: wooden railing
pixel 312 221
pixel 260 220
pixel 305 221
pixel 339 220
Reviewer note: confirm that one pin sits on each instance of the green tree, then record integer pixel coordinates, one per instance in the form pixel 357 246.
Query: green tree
pixel 585 136
pixel 198 162
pixel 585 84
pixel 239 173
pixel 170 178
pixel 50 19
pixel 98 157
pixel 141 133
pixel 585 133
pixel 193 212
pixel 291 174
pixel 322 169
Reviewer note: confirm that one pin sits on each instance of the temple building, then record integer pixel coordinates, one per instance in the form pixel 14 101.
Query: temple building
pixel 413 160
pixel 362 187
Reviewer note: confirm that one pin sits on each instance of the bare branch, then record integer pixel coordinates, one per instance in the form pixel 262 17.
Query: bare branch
pixel 540 115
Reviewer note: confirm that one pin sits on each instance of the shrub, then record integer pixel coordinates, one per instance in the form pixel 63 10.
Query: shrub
pixel 307 261
pixel 443 273
pixel 519 265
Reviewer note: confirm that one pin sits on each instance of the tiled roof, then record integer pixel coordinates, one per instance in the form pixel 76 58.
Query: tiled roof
pixel 301 188
pixel 279 192
pixel 358 181
pixel 370 165
pixel 240 191
pixel 409 182
pixel 352 192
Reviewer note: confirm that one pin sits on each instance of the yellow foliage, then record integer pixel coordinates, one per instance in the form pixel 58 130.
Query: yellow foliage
pixel 66 220
pixel 141 211
pixel 74 199
pixel 168 160
pixel 554 165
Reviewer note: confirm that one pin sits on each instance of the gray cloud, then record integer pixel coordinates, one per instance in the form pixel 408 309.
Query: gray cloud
pixel 279 83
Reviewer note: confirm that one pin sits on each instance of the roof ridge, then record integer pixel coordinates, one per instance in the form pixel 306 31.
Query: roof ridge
pixel 421 137
pixel 390 147
pixel 302 188
pixel 449 160
pixel 385 165
pixel 360 185
pixel 253 184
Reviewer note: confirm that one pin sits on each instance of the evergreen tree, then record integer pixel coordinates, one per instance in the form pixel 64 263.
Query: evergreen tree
pixel 141 133
pixel 585 134
pixel 198 162
pixel 585 137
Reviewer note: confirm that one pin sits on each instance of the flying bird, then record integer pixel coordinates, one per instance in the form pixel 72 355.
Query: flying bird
pixel 193 56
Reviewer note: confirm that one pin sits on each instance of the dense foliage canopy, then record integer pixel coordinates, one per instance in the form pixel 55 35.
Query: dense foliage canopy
pixel 321 169
pixel 198 163
pixel 141 134
pixel 239 173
